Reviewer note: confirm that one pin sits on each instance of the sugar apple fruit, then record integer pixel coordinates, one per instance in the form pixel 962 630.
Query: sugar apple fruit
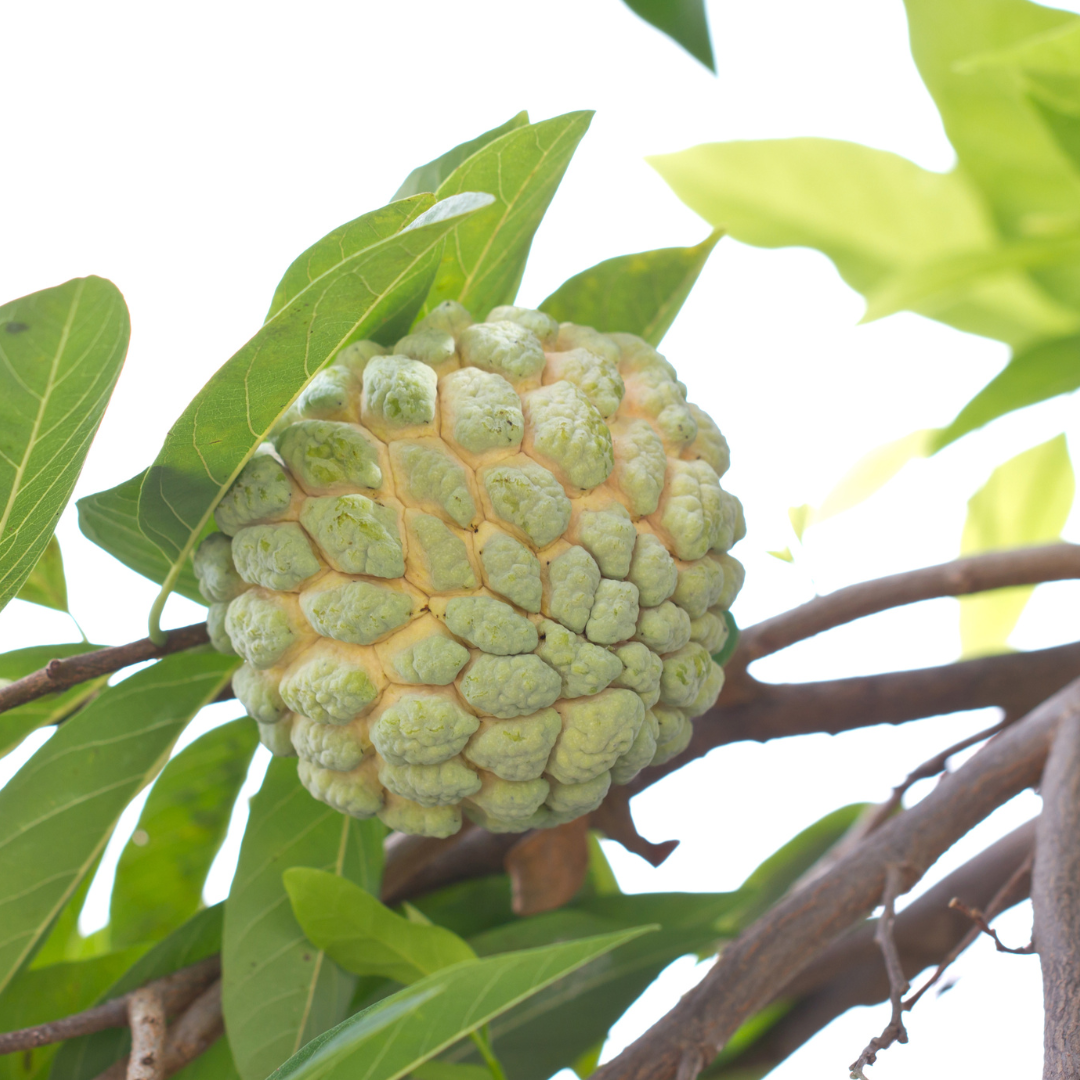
pixel 480 572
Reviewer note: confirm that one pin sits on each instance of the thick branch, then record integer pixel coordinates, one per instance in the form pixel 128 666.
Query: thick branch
pixel 177 991
pixel 146 1018
pixel 850 972
pixel 1055 894
pixel 60 674
pixel 999 569
pixel 757 964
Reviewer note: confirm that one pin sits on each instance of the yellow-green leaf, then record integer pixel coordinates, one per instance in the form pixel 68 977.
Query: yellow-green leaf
pixel 46 584
pixel 1026 501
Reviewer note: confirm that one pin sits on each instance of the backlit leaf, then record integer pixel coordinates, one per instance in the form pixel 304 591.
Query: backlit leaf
pixel 1026 501
pixel 46 584
pixel 61 351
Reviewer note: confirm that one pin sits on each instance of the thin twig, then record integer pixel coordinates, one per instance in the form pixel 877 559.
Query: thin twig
pixel 998 569
pixel 60 674
pixel 177 991
pixel 146 1018
pixel 757 964
pixel 898 984
pixel 1016 889
pixel 981 923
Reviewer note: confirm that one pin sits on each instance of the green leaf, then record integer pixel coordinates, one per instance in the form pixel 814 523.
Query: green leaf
pixel 46 584
pixel 57 812
pixel 428 177
pixel 1000 140
pixel 684 21
pixel 469 907
pixel 111 520
pixel 1026 501
pixel 362 291
pixel 637 294
pixel 1034 375
pixel 50 993
pixel 213 1064
pixel 445 1070
pixel 873 213
pixel 772 879
pixel 17 723
pixel 783 554
pixel 278 990
pixel 354 236
pixel 397 1034
pixel 85 1057
pixel 61 351
pixel 65 941
pixel 163 867
pixel 583 1007
pixel 482 264
pixel 727 651
pixel 364 936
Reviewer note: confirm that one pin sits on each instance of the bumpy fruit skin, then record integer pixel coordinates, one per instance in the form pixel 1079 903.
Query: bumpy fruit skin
pixel 481 572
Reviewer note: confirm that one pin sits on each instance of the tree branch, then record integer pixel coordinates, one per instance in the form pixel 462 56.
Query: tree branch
pixel 60 674
pixel 146 1018
pixel 996 570
pixel 177 991
pixel 850 972
pixel 1055 894
pixel 761 960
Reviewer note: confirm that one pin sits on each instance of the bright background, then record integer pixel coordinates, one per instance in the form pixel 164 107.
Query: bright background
pixel 190 153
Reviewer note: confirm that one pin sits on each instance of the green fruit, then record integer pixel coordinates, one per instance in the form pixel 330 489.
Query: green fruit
pixel 479 573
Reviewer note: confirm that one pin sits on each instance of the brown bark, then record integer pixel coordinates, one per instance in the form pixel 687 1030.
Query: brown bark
pixel 1056 899
pixel 146 1018
pixel 996 570
pixel 60 674
pixel 753 968
pixel 547 867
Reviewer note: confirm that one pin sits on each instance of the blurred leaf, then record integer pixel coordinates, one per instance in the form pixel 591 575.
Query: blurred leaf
pixel 727 650
pixel 637 294
pixel 213 1064
pixel 684 21
pixel 61 351
pixel 46 585
pixel 948 278
pixel 362 290
pixel 444 1070
pixel 397 1034
pixel 482 265
pixel 50 993
pixel 800 516
pixel 17 723
pixel 364 936
pixel 65 942
pixel 469 907
pixel 726 1063
pixel 784 555
pixel 110 519
pixel 870 473
pixel 58 811
pixel 428 177
pixel 600 879
pixel 583 1007
pixel 1034 375
pixel 772 879
pixel 85 1057
pixel 278 990
pixel 163 867
pixel 1026 501
pixel 873 213
pixel 588 1062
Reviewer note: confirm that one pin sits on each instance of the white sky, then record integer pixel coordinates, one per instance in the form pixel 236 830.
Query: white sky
pixel 189 153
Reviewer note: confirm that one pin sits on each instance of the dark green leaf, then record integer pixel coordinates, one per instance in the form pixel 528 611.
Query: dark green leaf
pixel 46 584
pixel 364 936
pixel 583 1006
pixel 205 449
pixel 637 294
pixel 1031 376
pixel 279 991
pixel 482 265
pixel 58 811
pixel 17 723
pixel 401 1032
pixel 684 21
pixel 84 1058
pixel 162 870
pixel 783 868
pixel 470 907
pixel 873 213
pixel 111 520
pixel 428 177
pixel 445 1070
pixel 732 642
pixel 61 351
pixel 213 1064
pixel 50 993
